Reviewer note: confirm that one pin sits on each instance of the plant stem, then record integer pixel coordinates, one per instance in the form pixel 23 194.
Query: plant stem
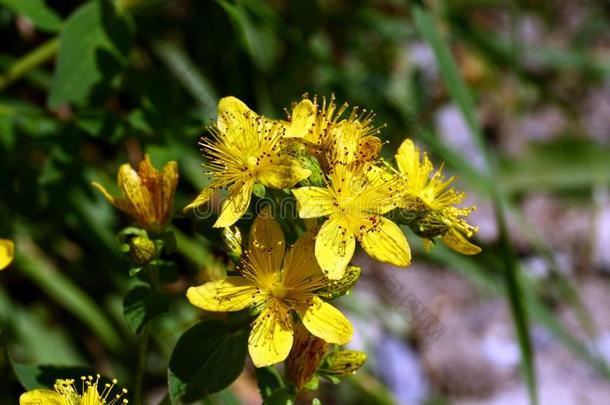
pixel 143 347
pixel 30 61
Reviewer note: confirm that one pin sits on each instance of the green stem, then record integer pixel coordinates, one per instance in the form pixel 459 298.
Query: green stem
pixel 29 62
pixel 139 383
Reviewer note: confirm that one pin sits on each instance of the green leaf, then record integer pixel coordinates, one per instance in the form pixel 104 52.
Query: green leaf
pixel 268 380
pixel 207 358
pixel 281 396
pixel 94 36
pixel 43 17
pixel 141 305
pixel 33 376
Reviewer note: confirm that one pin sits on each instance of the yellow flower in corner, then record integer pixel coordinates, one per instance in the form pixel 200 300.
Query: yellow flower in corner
pixel 7 253
pixel 277 285
pixel 441 217
pixel 148 195
pixel 354 202
pixel 245 149
pixel 65 393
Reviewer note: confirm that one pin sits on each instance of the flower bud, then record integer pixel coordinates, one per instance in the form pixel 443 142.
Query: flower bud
pixel 431 224
pixel 141 249
pixel 340 287
pixel 305 357
pixel 343 362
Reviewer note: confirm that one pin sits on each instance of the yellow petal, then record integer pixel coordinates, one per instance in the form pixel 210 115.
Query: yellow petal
pixel 383 240
pixel 416 167
pixel 327 322
pixel 302 120
pixel 202 198
pixel 346 137
pixel 231 294
pixel 137 194
pixel 271 336
pixel 168 188
pixel 236 205
pixel 406 156
pixel 313 202
pixel 300 261
pixel 369 148
pixel 231 111
pixel 42 397
pixel 457 242
pixel 282 172
pixel 119 202
pixel 335 245
pixel 266 242
pixel 7 253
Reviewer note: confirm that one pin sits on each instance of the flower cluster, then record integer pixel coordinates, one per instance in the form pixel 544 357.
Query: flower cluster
pixel 327 159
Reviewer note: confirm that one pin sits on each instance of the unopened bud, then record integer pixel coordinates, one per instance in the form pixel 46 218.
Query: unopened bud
pixel 411 209
pixel 430 225
pixel 141 249
pixel 340 287
pixel 305 357
pixel 343 362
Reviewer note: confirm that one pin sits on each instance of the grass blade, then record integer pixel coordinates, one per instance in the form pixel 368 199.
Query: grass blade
pixel 189 76
pixel 457 88
pixel 33 264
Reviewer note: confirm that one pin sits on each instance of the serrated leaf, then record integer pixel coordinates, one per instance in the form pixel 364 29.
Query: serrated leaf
pixel 43 17
pixel 141 305
pixel 207 358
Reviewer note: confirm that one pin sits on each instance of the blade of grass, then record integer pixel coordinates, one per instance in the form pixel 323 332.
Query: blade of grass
pixel 33 264
pixel 189 76
pixel 480 275
pixel 426 25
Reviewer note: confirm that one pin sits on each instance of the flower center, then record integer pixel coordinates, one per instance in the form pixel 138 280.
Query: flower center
pixel 251 162
pixel 278 290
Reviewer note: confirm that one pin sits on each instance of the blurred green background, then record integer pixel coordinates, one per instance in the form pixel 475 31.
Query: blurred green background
pixel 513 96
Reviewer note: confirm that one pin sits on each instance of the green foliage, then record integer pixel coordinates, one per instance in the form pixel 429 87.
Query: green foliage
pixel 141 305
pixel 41 376
pixel 93 84
pixel 41 15
pixel 206 359
pixel 94 44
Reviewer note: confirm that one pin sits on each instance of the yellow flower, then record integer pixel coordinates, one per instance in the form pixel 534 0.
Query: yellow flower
pixel 65 392
pixel 7 253
pixel 148 195
pixel 278 285
pixel 354 202
pixel 245 149
pixel 333 140
pixel 440 216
